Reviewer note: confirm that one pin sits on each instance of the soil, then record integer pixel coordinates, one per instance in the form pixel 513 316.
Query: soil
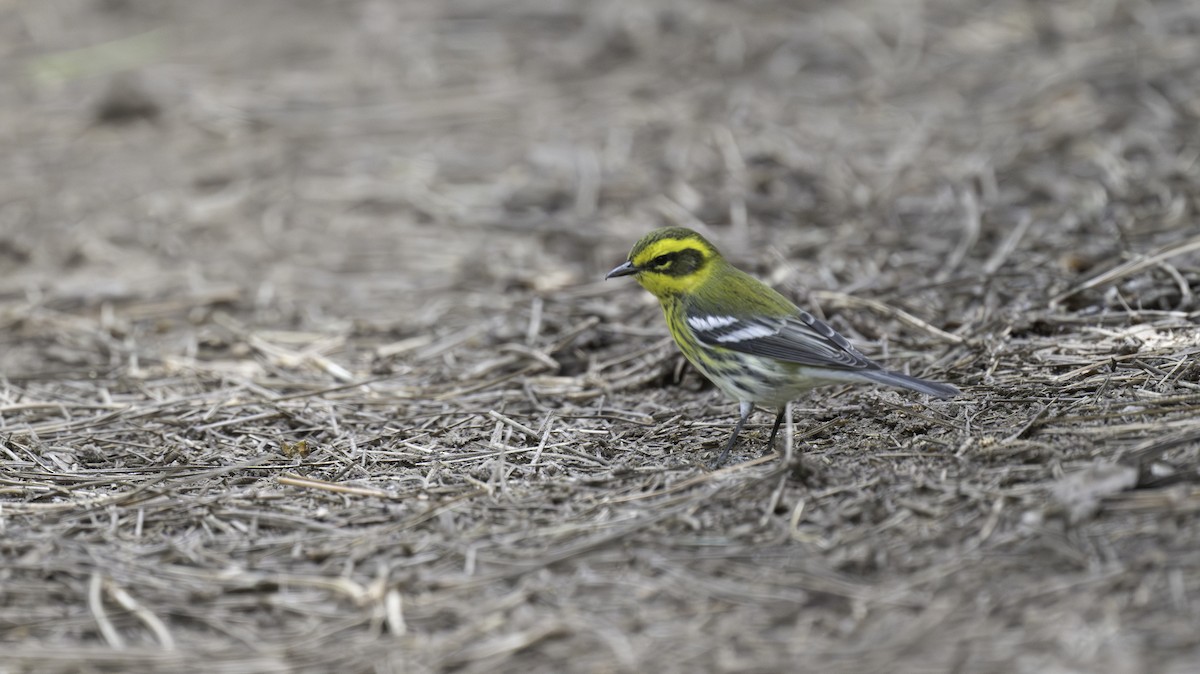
pixel 308 364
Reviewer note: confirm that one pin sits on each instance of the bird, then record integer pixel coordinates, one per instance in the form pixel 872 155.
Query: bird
pixel 754 344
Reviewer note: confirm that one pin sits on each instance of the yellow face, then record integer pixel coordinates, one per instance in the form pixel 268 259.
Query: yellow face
pixel 669 261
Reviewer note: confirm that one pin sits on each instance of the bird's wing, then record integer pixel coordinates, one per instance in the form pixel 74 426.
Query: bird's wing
pixel 801 338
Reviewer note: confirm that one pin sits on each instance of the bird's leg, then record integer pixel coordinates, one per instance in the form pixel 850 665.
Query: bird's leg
pixel 775 428
pixel 745 409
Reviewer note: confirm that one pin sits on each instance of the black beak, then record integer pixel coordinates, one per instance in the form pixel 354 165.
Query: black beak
pixel 626 269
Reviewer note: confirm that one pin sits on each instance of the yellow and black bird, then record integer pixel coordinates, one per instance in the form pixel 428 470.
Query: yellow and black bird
pixel 754 344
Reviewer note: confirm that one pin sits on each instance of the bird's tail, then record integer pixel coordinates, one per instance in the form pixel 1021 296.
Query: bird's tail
pixel 889 378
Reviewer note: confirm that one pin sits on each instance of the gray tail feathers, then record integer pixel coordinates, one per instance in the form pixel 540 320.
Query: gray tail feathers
pixel 889 378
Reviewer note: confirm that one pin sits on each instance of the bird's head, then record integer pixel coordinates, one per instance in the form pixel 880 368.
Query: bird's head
pixel 670 261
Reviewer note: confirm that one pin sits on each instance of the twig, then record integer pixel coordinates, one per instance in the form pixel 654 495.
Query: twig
pixel 151 621
pixel 293 480
pixel 971 228
pixel 1132 267
pixel 527 431
pixel 96 605
pixel 852 302
pixel 1006 247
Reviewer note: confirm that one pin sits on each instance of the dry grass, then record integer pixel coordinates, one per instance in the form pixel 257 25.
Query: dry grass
pixel 307 366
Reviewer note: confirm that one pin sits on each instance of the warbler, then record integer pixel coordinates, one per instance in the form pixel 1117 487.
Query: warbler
pixel 753 343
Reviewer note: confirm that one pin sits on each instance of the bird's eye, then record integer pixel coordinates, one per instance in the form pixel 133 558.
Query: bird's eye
pixel 661 260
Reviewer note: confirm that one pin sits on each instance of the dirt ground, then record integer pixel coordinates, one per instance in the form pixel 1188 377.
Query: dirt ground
pixel 308 366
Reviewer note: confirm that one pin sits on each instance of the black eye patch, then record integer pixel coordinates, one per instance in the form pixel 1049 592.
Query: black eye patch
pixel 677 262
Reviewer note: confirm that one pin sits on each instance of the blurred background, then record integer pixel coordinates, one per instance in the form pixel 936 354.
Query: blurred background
pixel 416 164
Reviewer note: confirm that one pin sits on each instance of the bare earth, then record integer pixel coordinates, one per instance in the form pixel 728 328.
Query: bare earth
pixel 307 365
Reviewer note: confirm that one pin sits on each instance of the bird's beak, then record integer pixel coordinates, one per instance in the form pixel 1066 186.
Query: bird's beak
pixel 624 270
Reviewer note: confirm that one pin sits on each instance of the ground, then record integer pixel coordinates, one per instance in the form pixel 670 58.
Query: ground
pixel 308 364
